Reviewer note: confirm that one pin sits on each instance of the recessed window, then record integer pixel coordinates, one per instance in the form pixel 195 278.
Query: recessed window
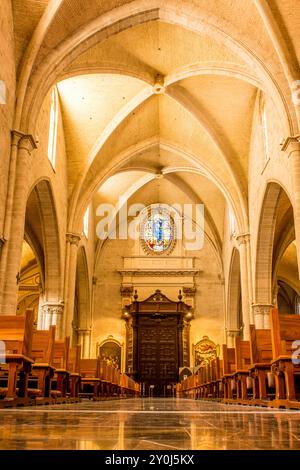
pixel 53 127
pixel 86 222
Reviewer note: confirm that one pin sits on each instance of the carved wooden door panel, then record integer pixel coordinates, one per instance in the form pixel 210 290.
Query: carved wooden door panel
pixel 157 351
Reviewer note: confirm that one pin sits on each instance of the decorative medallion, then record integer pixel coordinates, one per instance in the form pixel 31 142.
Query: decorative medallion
pixel 204 351
pixel 158 231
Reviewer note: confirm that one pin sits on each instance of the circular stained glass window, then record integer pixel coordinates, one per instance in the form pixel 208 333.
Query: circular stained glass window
pixel 157 231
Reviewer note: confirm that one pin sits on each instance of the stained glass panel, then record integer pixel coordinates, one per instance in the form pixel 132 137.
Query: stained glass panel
pixel 158 231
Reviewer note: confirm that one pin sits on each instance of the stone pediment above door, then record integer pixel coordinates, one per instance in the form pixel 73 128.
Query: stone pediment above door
pixel 168 274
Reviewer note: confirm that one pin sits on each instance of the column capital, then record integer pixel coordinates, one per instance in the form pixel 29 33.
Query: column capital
pixel 53 308
pixel 23 141
pixel 51 314
pixel 291 145
pixel 242 238
pixel 73 238
pixel 262 309
pixel 233 332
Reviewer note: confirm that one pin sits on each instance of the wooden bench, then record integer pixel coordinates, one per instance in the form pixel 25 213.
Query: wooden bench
pixel 16 332
pixel 43 369
pixel 60 384
pixel 229 367
pixel 242 380
pixel 116 383
pixel 285 329
pixel 90 378
pixel 260 368
pixel 207 385
pixel 74 369
pixel 201 381
pixel 217 374
pixel 129 388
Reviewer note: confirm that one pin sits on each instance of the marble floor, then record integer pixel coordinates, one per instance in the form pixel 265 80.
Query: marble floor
pixel 149 424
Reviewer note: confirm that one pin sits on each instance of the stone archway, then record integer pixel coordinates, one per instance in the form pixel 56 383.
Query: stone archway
pixel 276 214
pixel 41 217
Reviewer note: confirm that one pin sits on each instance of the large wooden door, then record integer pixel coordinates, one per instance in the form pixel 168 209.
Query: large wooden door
pixel 157 352
pixel 157 342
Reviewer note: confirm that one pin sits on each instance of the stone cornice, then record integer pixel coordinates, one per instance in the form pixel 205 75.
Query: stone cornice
pixel 155 272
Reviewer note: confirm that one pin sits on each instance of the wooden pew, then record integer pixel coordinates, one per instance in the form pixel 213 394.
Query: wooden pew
pixel 90 379
pixel 243 382
pixel 104 376
pixel 61 381
pixel 202 381
pixel 43 370
pixel 217 374
pixel 207 385
pixel 74 369
pixel 199 374
pixel 116 391
pixel 260 368
pixel 229 367
pixel 285 329
pixel 16 332
pixel 129 388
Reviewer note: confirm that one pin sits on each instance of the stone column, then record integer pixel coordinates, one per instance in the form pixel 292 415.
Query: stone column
pixel 84 339
pixel 72 240
pixel 230 335
pixel 244 242
pixel 51 313
pixel 22 147
pixel 261 314
pixel 292 148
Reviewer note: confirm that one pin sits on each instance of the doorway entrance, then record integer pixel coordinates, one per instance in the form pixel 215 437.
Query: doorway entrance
pixel 157 343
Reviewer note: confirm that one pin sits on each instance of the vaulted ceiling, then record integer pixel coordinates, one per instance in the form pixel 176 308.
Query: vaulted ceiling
pixel 157 87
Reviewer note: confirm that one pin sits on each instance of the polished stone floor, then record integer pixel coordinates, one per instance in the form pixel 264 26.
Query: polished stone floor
pixel 150 424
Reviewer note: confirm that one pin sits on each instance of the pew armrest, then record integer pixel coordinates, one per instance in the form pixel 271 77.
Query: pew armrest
pixel 41 365
pixel 260 365
pixel 19 358
pixel 282 358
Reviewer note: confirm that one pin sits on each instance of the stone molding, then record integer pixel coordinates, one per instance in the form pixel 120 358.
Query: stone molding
pixel 153 272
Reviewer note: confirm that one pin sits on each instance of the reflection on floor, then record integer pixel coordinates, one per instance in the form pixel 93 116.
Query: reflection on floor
pixel 149 424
